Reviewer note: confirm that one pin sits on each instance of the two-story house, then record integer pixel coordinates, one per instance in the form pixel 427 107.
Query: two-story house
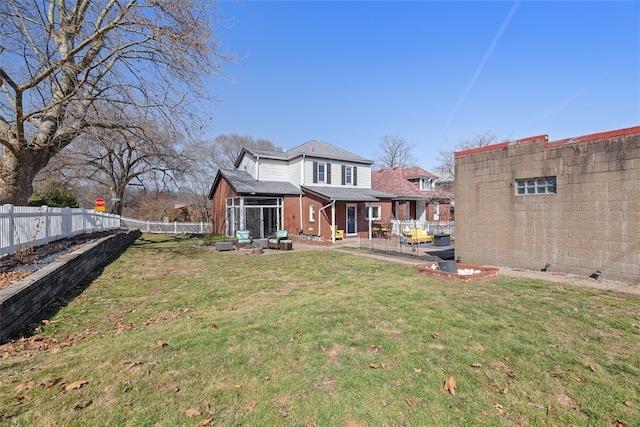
pixel 312 189
pixel 417 194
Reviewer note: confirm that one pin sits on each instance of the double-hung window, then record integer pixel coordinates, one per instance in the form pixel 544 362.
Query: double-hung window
pixel 321 171
pixel 373 212
pixel 348 175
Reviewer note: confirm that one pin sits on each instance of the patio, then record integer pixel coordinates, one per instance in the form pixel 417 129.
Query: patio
pixel 394 246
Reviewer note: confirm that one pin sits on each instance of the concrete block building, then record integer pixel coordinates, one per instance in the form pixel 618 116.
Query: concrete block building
pixel 573 204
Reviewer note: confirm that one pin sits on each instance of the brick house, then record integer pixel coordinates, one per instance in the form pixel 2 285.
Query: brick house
pixel 305 191
pixel 574 204
pixel 417 193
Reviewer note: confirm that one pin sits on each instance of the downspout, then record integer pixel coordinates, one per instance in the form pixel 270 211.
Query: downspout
pixel 333 220
pixel 368 206
pixel 301 222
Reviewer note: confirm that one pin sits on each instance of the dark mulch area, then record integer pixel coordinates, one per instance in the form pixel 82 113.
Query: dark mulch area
pixel 30 259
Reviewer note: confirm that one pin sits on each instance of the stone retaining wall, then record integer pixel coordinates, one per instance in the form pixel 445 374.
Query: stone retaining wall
pixel 22 303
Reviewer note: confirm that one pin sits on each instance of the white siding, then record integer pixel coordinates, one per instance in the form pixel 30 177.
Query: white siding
pixel 273 170
pixel 295 172
pixel 281 170
pixel 248 165
pixel 363 174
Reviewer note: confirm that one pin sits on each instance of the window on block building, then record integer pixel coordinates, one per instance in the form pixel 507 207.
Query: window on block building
pixel 543 185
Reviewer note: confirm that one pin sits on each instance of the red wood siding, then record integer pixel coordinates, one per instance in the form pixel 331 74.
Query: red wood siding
pixel 218 205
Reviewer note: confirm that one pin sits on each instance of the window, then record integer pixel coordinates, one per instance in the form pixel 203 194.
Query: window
pixel 426 184
pixel 321 172
pixel 312 213
pixel 349 175
pixel 545 185
pixel 373 212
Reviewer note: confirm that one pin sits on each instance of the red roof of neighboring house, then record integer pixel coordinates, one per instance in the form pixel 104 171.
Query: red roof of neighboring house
pixel 417 172
pixel 396 181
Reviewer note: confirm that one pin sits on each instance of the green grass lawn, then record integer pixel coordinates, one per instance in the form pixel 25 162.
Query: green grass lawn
pixel 173 333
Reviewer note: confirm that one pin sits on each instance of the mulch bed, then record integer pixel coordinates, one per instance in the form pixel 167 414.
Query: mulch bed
pixel 30 259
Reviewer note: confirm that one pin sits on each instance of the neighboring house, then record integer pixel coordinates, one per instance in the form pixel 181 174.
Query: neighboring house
pixel 416 193
pixel 573 204
pixel 305 191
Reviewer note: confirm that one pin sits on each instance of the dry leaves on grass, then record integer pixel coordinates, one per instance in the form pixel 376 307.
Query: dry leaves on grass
pixel 450 385
pixel 27 385
pixel 52 343
pixel 192 413
pixel 75 385
pixel 158 319
pixel 82 405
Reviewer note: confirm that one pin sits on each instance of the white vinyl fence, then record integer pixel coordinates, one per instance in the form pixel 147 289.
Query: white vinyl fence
pixel 166 227
pixel 27 226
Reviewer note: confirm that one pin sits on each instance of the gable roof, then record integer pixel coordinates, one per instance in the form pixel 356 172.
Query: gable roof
pixel 243 183
pixel 313 148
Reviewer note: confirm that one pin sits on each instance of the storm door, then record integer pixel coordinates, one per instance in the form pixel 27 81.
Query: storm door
pixel 352 226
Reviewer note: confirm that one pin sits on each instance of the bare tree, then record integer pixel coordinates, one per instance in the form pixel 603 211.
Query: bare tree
pixel 395 151
pixel 63 61
pixel 145 153
pixel 229 147
pixel 446 159
pixel 206 157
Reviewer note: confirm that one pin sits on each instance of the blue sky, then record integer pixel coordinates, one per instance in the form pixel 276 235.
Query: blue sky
pixel 433 72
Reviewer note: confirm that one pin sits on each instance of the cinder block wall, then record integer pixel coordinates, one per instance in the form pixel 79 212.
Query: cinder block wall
pixel 24 303
pixel 591 223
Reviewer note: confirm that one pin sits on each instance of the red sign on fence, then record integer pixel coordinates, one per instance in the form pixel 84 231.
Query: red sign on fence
pixel 99 205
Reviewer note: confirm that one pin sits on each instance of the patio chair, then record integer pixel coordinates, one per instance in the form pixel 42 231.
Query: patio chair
pixel 417 236
pixel 273 240
pixel 243 238
pixel 339 233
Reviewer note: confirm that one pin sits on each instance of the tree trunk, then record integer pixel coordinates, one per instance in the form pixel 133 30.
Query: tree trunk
pixel 17 173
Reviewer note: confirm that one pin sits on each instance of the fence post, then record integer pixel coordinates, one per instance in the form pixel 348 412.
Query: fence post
pixel 66 222
pixel 11 238
pixel 46 218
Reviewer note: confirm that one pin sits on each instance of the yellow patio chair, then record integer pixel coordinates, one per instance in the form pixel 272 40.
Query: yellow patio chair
pixel 338 233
